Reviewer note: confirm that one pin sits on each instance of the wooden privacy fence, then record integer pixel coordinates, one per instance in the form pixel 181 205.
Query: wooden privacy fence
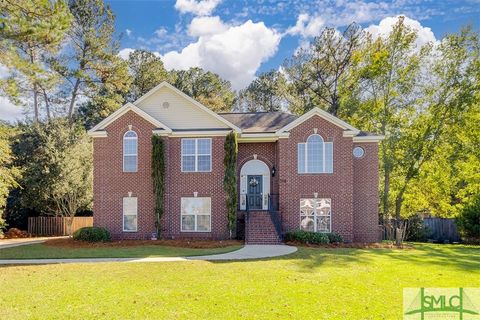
pixel 441 229
pixel 56 226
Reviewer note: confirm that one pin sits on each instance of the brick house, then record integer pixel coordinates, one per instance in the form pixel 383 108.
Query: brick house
pixel 314 172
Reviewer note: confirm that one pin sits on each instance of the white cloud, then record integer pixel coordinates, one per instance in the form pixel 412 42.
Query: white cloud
pixel 10 112
pixel 307 26
pixel 425 34
pixel 199 8
pixel 128 32
pixel 125 53
pixel 161 32
pixel 205 26
pixel 234 52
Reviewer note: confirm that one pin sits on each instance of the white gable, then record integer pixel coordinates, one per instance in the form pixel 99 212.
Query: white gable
pixel 181 113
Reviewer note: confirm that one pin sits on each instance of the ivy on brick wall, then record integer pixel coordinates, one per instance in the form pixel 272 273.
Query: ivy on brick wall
pixel 158 177
pixel 230 178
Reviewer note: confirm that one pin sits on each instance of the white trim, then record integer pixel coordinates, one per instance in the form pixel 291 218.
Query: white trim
pixel 368 138
pixel 190 99
pixel 130 155
pixel 261 137
pixel 196 155
pixel 127 107
pixel 98 134
pixel 305 155
pixel 315 216
pixel 321 113
pixel 254 167
pixel 195 215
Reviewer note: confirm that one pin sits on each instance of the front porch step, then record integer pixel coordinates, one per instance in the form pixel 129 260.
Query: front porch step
pixel 259 229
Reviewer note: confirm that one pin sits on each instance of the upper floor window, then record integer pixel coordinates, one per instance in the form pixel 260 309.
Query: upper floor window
pixel 197 155
pixel 315 155
pixel 130 151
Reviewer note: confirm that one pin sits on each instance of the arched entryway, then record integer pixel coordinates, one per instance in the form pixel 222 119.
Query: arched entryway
pixel 254 185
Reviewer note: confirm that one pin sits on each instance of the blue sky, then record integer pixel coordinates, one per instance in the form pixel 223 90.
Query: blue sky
pixel 238 39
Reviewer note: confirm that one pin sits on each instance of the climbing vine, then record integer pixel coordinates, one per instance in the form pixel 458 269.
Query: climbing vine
pixel 158 177
pixel 230 178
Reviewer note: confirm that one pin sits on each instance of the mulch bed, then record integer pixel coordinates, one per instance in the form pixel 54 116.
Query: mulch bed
pixel 356 245
pixel 195 244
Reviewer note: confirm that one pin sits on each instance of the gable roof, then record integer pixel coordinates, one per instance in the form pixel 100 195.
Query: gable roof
pixel 165 84
pixel 252 122
pixel 128 107
pixel 323 114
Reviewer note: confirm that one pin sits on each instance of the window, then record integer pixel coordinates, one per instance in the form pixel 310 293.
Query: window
pixel 358 152
pixel 130 214
pixel 315 156
pixel 315 215
pixel 197 155
pixel 130 151
pixel 196 214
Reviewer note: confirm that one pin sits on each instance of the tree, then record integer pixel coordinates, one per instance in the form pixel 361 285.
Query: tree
pixel 8 173
pixel 30 32
pixel 318 71
pixel 147 71
pixel 230 178
pixel 206 87
pixel 265 93
pixel 56 159
pixel 90 66
pixel 158 177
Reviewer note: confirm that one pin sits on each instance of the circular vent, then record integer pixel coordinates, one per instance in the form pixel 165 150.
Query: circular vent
pixel 358 152
pixel 165 105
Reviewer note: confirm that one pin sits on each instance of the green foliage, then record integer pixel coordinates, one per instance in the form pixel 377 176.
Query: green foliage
pixel 230 178
pixel 416 230
pixel 147 71
pixel 92 234
pixel 469 221
pixel 206 87
pixel 313 237
pixel 158 177
pixel 56 159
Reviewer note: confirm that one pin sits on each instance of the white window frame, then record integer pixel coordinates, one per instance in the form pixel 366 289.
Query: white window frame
pixel 315 215
pixel 305 157
pixel 129 214
pixel 130 154
pixel 196 154
pixel 196 214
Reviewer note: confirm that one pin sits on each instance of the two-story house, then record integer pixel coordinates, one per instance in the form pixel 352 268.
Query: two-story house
pixel 314 172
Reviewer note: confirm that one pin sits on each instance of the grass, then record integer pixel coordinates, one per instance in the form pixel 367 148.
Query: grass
pixel 43 251
pixel 314 283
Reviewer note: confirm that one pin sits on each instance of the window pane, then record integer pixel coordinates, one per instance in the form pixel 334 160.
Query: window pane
pixel 301 157
pixel 129 146
pixel 329 157
pixel 188 223
pixel 314 154
pixel 130 134
pixel 204 146
pixel 307 223
pixel 203 163
pixel 323 207
pixel 306 207
pixel 130 163
pixel 130 222
pixel 188 146
pixel 188 163
pixel 203 223
pixel 323 224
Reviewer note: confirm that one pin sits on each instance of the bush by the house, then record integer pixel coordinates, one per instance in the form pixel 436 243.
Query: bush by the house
pixel 313 237
pixel 468 222
pixel 92 234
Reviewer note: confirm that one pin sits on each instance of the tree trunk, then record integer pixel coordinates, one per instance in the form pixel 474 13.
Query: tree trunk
pixel 74 97
pixel 47 104
pixel 35 102
pixel 398 208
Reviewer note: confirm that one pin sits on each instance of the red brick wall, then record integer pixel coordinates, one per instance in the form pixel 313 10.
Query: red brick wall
pixel 337 185
pixel 111 184
pixel 365 190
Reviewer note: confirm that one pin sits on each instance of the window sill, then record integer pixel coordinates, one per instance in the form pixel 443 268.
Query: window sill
pixel 193 231
pixel 130 231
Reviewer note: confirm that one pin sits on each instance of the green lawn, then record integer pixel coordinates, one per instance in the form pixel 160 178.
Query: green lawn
pixel 310 284
pixel 42 251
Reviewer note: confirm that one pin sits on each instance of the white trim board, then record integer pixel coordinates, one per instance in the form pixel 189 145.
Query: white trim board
pixel 117 114
pixel 323 114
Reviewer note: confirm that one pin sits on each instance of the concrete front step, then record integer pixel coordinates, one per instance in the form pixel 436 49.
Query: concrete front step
pixel 259 229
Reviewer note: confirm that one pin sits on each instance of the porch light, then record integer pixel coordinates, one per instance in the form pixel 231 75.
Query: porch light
pixel 273 171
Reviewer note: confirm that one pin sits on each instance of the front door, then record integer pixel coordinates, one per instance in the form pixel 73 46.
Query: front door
pixel 254 192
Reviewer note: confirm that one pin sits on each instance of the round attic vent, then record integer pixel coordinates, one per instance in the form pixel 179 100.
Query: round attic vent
pixel 165 105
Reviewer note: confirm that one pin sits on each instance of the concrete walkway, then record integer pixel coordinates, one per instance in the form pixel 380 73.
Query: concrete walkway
pixel 245 253
pixel 9 243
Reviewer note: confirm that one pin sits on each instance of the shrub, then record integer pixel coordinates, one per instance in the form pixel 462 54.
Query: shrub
pixel 313 237
pixel 92 234
pixel 469 221
pixel 416 230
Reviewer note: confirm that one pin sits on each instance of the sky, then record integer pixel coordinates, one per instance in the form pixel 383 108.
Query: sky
pixel 238 39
